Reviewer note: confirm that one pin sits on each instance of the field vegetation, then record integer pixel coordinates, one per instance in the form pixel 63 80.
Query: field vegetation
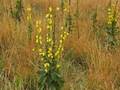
pixel 59 45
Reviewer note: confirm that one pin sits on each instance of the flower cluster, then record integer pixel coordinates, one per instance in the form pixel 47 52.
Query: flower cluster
pixel 111 15
pixel 61 42
pixel 38 39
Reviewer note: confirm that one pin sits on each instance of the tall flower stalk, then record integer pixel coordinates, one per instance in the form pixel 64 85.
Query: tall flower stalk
pixel 50 53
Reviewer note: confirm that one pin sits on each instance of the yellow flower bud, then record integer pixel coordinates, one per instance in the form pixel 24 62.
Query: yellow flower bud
pixel 46 65
pixel 50 9
pixel 58 66
pixel 29 9
pixel 47 15
pixel 46 70
pixel 33 49
pixel 57 8
pixel 37 40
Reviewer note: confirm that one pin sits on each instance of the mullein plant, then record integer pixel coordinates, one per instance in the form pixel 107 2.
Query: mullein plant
pixel 18 11
pixel 29 20
pixel 50 53
pixel 112 30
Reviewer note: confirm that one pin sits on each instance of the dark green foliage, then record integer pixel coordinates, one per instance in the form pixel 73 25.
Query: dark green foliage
pixel 50 81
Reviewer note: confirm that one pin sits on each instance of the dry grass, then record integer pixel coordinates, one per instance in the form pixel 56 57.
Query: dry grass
pixel 103 67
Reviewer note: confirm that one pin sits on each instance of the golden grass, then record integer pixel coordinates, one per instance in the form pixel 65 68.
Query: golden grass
pixel 16 50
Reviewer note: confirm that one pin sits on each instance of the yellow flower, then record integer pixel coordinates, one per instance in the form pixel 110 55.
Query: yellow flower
pixel 58 66
pixel 57 8
pixel 33 49
pixel 49 21
pixel 46 65
pixel 39 30
pixel 43 54
pixel 36 36
pixel 61 35
pixel 63 38
pixel 42 59
pixel 48 27
pixel 46 70
pixel 29 9
pixel 38 22
pixel 40 38
pixel 50 9
pixel 57 53
pixel 51 16
pixel 50 49
pixel 109 9
pixel 47 15
pixel 49 55
pixel 40 50
pixel 65 10
pixel 37 40
pixel 61 41
pixel 40 42
pixel 62 28
pixel 29 17
pixel 109 22
pixel 49 40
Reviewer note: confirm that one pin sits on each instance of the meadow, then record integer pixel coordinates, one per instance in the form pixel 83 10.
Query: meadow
pixel 59 44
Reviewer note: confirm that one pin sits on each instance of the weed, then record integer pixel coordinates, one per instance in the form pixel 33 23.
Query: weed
pixel 50 78
pixel 112 29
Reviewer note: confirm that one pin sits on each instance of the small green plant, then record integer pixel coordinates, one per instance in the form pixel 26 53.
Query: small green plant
pixel 112 30
pixel 50 54
pixel 17 12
